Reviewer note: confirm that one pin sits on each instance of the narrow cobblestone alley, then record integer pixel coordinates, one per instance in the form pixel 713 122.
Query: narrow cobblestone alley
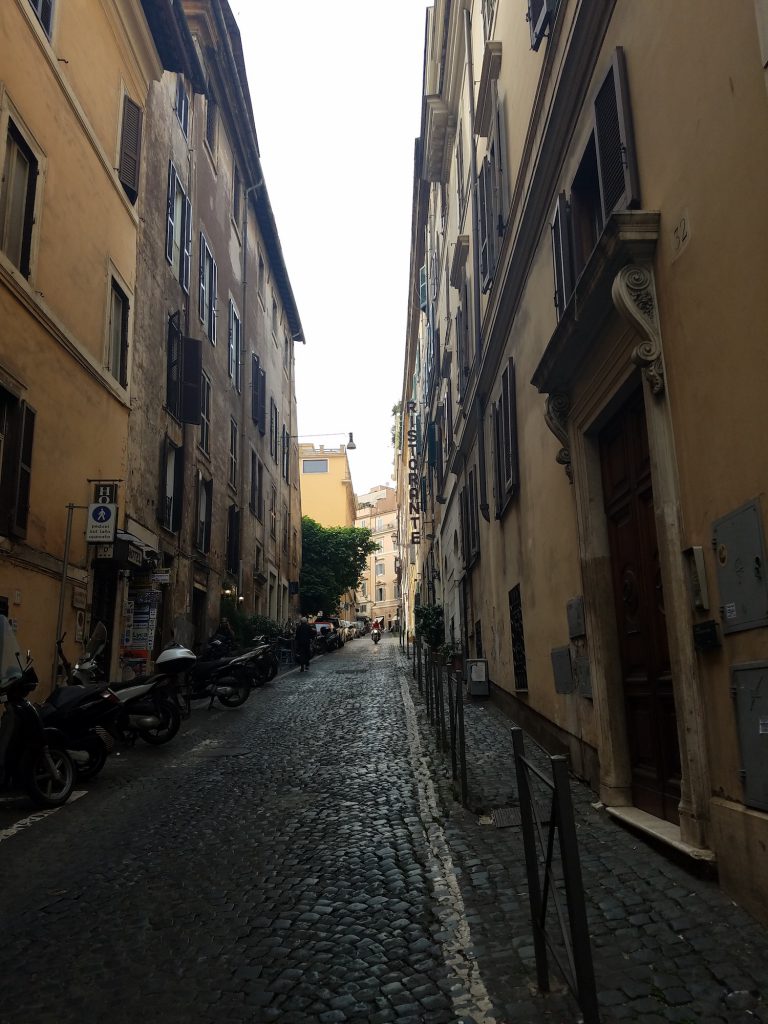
pixel 300 860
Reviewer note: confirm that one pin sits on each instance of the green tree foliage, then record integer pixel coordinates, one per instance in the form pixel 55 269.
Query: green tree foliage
pixel 333 561
pixel 430 624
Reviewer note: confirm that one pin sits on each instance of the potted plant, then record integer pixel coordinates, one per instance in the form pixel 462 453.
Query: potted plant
pixel 430 625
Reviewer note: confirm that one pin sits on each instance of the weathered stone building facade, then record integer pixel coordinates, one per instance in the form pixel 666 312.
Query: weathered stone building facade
pixel 584 366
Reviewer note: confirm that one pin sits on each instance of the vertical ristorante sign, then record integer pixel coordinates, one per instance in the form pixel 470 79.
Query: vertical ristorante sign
pixel 414 508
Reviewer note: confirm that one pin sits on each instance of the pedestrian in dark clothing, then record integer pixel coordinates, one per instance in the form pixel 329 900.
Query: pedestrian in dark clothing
pixel 304 634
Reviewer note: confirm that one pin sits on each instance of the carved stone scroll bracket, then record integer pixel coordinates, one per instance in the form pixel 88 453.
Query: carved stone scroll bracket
pixel 556 417
pixel 634 296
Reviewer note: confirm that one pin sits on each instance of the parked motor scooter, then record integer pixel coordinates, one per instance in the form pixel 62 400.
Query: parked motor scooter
pixel 228 680
pixel 31 756
pixel 149 708
pixel 85 716
pixel 87 668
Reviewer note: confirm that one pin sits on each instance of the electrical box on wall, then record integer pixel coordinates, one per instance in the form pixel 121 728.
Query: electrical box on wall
pixel 477 677
pixel 750 690
pixel 562 670
pixel 737 540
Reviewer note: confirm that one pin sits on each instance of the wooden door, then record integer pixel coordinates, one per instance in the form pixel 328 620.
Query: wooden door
pixel 639 597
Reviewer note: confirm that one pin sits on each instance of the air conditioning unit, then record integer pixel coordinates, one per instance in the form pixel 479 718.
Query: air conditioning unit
pixel 476 674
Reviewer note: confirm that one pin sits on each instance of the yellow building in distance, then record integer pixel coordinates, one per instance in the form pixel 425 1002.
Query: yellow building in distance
pixel 326 485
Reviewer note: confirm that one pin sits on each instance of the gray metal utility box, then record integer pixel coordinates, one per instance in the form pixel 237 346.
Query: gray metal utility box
pixel 750 690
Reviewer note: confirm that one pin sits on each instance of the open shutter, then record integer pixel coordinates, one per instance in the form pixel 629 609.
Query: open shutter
pixel 511 461
pixel 178 489
pixel 130 148
pixel 202 289
pixel 262 401
pixel 482 199
pixel 24 470
pixel 562 254
pixel 213 299
pixel 502 176
pixel 423 288
pixel 171 212
pixel 616 160
pixel 539 17
pixel 191 381
pixel 186 258
pixel 231 340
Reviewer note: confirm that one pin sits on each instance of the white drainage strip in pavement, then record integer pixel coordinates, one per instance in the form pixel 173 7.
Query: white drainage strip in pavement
pixel 474 1000
pixel 8 833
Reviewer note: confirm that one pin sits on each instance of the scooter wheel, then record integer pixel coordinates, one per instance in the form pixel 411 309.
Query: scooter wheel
pixel 43 787
pixel 240 696
pixel 170 723
pixel 96 761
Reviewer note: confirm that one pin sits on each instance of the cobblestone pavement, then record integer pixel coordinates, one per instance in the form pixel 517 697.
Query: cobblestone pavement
pixel 300 859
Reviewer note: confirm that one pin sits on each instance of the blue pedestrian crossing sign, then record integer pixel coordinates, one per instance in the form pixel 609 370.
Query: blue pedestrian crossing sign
pixel 102 522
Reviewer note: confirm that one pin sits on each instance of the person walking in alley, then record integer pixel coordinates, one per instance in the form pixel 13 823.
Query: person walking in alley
pixel 304 634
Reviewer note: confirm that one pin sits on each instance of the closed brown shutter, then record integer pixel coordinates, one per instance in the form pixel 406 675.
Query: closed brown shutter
pixel 255 387
pixel 262 401
pixel 191 380
pixel 24 470
pixel 616 160
pixel 130 148
pixel 186 256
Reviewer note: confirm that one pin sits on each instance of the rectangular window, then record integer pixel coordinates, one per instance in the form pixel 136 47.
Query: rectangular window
pixel 314 466
pixel 380 568
pixel 233 539
pixel 205 415
pixel 284 453
pixel 211 122
pixel 178 237
pixel 44 11
pixel 257 486
pixel 235 344
pixel 171 486
pixel 117 342
pixel 273 431
pixel 130 148
pixel 236 195
pixel 518 639
pixel 17 200
pixel 204 513
pixel 233 452
pixel 506 472
pixel 182 105
pixel 208 287
pixel 274 317
pixel 173 366
pixel 260 279
pixel 381 594
pixel 17 426
pixel 273 514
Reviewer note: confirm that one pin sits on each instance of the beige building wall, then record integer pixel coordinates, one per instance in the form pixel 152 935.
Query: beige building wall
pixel 657 334
pixel 379 596
pixel 62 89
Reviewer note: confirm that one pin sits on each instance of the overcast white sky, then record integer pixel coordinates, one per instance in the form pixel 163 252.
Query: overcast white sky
pixel 336 92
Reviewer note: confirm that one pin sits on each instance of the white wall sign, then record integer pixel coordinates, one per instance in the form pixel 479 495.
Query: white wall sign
pixel 102 522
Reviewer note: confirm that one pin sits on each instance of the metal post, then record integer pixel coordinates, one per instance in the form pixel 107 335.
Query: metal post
pixel 64 569
pixel 574 893
pixel 452 722
pixel 531 859
pixel 417 661
pixel 462 743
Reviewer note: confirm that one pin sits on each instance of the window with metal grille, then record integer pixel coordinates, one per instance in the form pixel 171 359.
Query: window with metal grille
pixel 518 639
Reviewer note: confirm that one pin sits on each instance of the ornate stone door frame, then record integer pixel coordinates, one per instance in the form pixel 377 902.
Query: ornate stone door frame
pixel 591 363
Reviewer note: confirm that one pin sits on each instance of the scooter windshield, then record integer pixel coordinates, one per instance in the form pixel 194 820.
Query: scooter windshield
pixel 97 642
pixel 10 667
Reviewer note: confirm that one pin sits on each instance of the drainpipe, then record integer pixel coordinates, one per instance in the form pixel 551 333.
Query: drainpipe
pixel 484 506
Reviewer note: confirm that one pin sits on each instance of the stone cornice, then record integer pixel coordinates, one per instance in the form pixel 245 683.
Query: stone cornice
pixel 629 239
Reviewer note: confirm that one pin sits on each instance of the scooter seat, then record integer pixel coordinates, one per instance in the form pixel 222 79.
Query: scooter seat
pixel 125 684
pixel 70 695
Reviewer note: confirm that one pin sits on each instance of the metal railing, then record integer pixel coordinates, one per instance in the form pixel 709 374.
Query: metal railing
pixel 567 942
pixel 443 694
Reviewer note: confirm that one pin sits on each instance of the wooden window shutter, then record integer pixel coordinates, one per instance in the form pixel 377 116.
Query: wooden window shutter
pixel 191 381
pixel 130 148
pixel 539 16
pixel 262 401
pixel 178 489
pixel 171 212
pixel 173 364
pixel 616 158
pixel 502 174
pixel 124 342
pixel 23 482
pixel 186 257
pixel 255 380
pixel 202 290
pixel 482 200
pixel 562 255
pixel 511 460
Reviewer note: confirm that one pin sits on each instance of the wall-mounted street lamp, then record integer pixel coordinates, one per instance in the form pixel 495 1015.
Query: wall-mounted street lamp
pixel 351 446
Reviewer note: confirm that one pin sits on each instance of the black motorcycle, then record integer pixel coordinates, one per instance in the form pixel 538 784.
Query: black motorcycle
pixel 85 717
pixel 228 680
pixel 32 757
